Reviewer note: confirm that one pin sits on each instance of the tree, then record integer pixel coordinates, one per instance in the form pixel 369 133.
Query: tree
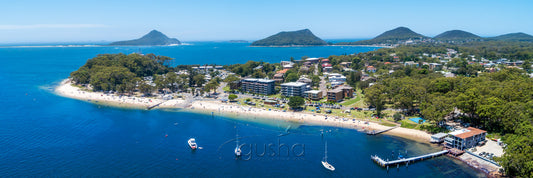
pixel 198 80
pixel 518 157
pixel 232 97
pixel 292 77
pixel 397 117
pixel 231 78
pixel 171 79
pixel 212 85
pixel 145 88
pixel 296 102
pixel 375 96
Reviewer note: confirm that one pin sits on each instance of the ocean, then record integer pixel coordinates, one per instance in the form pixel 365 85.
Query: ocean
pixel 45 135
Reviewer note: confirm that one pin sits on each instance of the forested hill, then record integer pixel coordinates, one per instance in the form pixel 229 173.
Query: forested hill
pixel 154 38
pixel 513 37
pixel 390 37
pixel 301 37
pixel 456 35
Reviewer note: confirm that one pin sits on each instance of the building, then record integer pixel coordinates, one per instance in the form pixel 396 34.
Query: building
pixel 465 138
pixel 411 63
pixel 305 80
pixel 313 95
pixel 294 89
pixel 313 60
pixel 258 86
pixel 336 77
pixel 371 69
pixel 339 93
pixel 346 64
pixel 278 77
pixel 327 69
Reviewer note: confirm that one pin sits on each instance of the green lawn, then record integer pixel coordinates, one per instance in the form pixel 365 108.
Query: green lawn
pixel 226 88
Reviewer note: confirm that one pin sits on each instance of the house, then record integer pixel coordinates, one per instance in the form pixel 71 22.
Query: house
pixel 435 66
pixel 294 89
pixel 288 66
pixel 336 77
pixel 346 64
pixel 313 60
pixel 259 86
pixel 323 61
pixel 371 69
pixel 327 69
pixel 278 77
pixel 305 80
pixel 282 71
pixel 410 63
pixel 313 95
pixel 282 63
pixel 340 92
pixel 465 138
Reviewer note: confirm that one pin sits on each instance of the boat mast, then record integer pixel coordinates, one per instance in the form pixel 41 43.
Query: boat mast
pixel 326 152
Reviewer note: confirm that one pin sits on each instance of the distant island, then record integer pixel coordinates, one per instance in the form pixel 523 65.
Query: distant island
pixel 404 35
pixel 238 41
pixel 291 38
pixel 154 38
pixel 393 36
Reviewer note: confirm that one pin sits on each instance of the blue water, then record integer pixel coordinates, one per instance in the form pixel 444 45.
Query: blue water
pixel 417 120
pixel 44 135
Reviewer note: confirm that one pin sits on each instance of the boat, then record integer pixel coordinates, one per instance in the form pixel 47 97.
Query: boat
pixel 192 143
pixel 237 150
pixel 325 161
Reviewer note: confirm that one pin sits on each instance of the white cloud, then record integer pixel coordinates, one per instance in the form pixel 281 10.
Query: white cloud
pixel 41 26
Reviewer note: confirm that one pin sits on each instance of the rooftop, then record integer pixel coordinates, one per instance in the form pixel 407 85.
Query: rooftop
pixel 258 80
pixel 313 91
pixel 282 71
pixel 294 84
pixel 468 132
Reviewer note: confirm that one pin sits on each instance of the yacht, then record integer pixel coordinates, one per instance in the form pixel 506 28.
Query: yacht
pixel 192 143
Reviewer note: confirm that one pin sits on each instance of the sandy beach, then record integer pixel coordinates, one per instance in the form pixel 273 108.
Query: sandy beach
pixel 66 89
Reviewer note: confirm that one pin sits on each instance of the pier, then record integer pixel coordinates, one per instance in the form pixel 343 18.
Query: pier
pixel 153 106
pixel 375 133
pixel 384 163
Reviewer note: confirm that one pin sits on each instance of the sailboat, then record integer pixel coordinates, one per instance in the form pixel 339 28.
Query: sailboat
pixel 325 161
pixel 237 147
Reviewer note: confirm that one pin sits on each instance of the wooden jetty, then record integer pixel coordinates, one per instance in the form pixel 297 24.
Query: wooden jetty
pixel 153 106
pixel 384 163
pixel 378 132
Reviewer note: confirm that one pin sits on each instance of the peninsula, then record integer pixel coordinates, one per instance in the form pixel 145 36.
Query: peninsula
pixel 291 38
pixel 153 38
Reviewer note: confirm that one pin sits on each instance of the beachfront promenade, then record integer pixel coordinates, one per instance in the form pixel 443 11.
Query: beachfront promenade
pixel 384 163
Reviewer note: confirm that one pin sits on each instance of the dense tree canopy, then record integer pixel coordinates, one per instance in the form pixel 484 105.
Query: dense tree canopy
pixel 119 72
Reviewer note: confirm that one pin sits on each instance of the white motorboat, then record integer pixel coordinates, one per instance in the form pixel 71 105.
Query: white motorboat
pixel 325 161
pixel 192 143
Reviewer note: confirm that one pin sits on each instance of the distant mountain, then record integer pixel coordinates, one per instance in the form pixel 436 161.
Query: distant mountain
pixel 394 36
pixel 513 37
pixel 154 38
pixel 301 37
pixel 456 35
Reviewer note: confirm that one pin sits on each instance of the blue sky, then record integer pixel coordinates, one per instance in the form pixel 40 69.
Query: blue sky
pixel 110 20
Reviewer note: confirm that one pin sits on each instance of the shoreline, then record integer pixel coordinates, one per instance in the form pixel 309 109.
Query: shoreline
pixel 231 110
pixel 240 112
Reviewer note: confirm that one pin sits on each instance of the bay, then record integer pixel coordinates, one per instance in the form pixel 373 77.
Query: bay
pixel 45 135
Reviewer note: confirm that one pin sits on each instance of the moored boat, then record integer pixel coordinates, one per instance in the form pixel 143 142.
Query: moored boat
pixel 192 143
